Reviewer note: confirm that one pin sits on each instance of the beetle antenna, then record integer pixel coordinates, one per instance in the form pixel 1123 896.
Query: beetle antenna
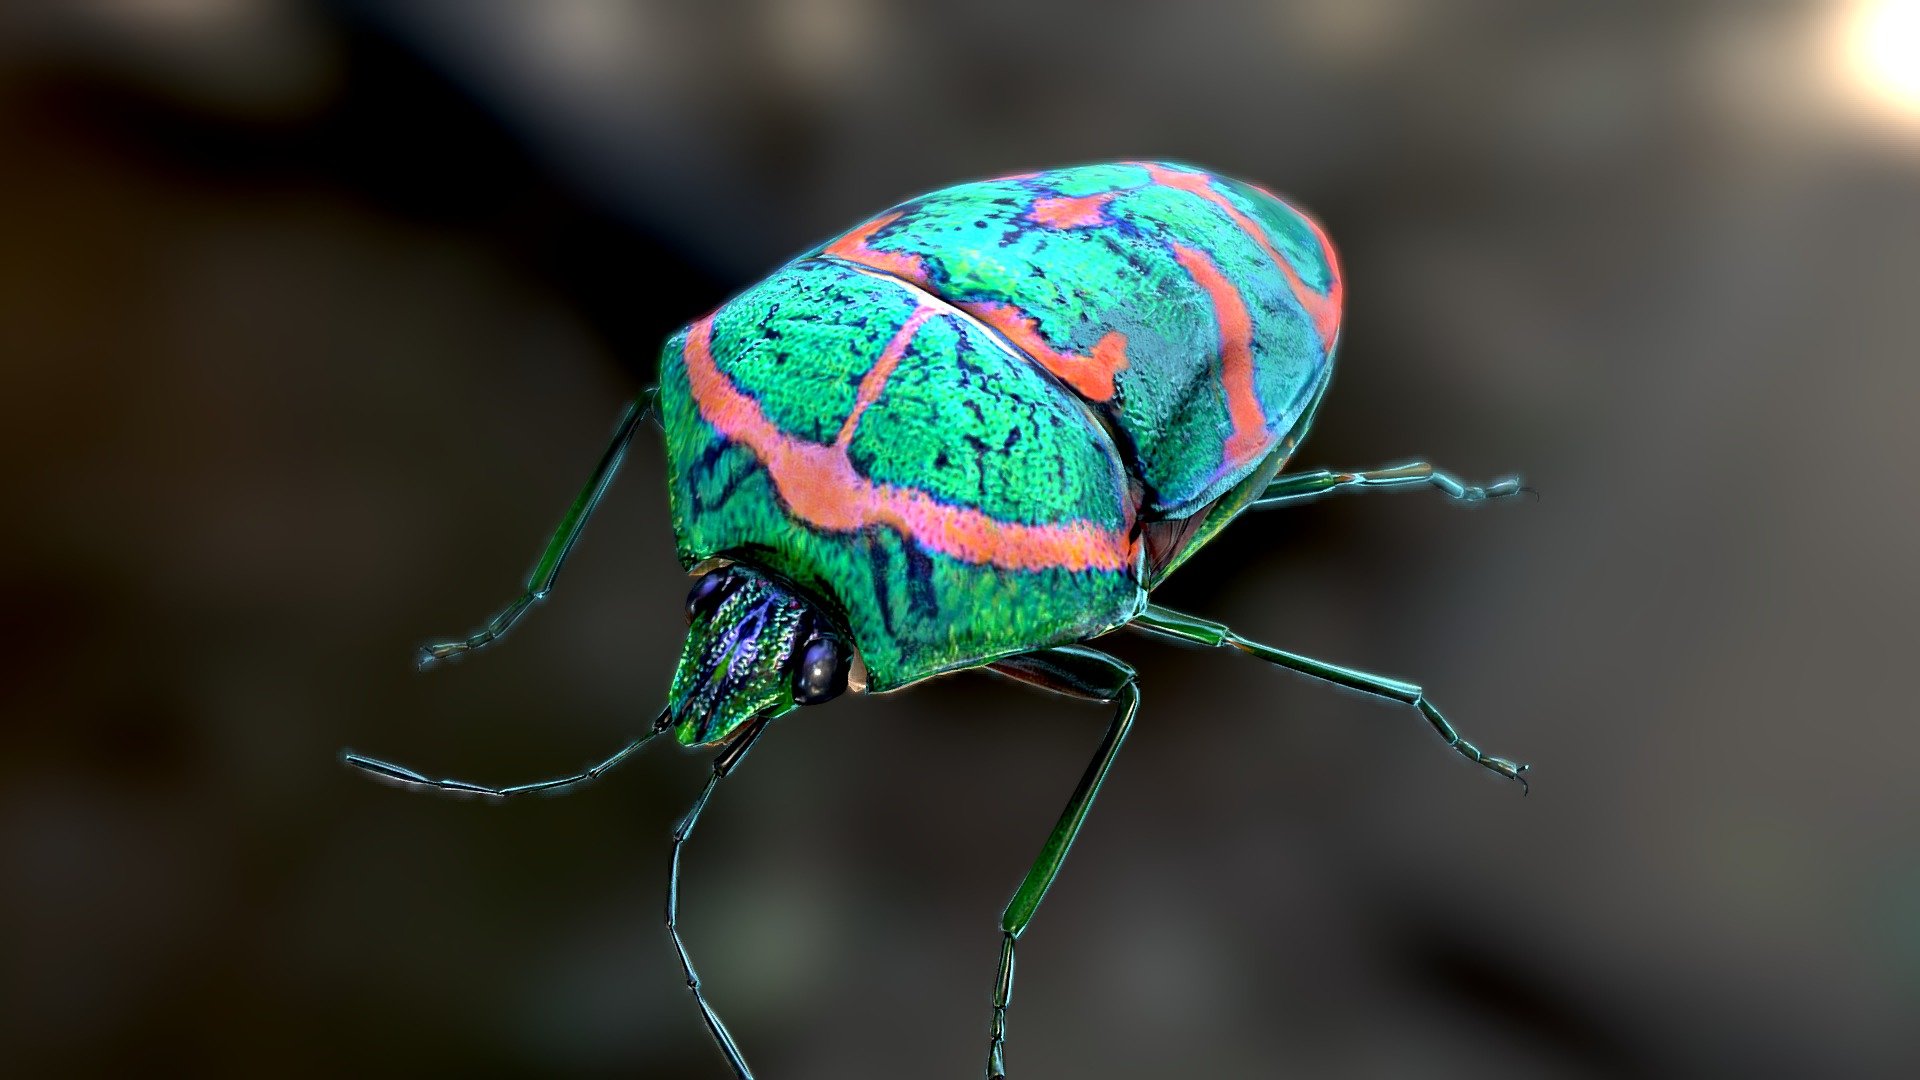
pixel 402 776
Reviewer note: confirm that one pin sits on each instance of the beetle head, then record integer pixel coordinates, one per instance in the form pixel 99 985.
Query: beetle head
pixel 755 649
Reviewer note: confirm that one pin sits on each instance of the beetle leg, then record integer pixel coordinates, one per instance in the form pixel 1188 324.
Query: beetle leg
pixel 1169 623
pixel 1307 486
pixel 540 581
pixel 722 765
pixel 400 774
pixel 1076 672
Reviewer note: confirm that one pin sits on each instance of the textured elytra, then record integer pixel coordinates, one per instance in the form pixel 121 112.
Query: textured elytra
pixel 903 524
pixel 983 422
pixel 1124 281
pixel 960 418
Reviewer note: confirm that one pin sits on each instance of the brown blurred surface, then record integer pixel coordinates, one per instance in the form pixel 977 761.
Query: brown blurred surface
pixel 313 317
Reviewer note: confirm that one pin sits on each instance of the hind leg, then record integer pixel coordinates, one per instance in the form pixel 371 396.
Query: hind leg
pixel 1169 623
pixel 1307 486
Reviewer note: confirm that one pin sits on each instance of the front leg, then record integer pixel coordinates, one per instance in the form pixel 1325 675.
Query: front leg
pixel 540 581
pixel 1091 676
pixel 1169 623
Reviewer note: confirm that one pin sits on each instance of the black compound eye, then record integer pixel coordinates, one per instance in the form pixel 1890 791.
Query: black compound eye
pixel 822 675
pixel 708 592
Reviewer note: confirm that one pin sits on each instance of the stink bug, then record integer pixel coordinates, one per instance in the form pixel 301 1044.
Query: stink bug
pixel 976 432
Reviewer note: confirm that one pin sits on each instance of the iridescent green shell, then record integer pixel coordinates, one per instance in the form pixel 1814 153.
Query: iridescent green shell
pixel 990 419
pixel 969 510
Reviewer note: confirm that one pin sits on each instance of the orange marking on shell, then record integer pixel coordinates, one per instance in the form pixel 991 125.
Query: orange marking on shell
pixel 820 486
pixel 1079 212
pixel 854 248
pixel 1090 376
pixel 1323 309
pixel 1249 436
pixel 875 380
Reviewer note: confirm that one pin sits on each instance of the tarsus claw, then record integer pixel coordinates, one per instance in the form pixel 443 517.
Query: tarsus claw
pixel 434 654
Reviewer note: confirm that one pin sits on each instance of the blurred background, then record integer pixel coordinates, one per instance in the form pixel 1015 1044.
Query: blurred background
pixel 314 316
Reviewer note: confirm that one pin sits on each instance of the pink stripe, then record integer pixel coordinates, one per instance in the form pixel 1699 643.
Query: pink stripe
pixel 1323 309
pixel 875 380
pixel 1249 438
pixel 821 487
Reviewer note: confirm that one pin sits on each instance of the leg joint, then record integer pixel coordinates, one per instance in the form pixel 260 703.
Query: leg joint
pixel 1183 627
